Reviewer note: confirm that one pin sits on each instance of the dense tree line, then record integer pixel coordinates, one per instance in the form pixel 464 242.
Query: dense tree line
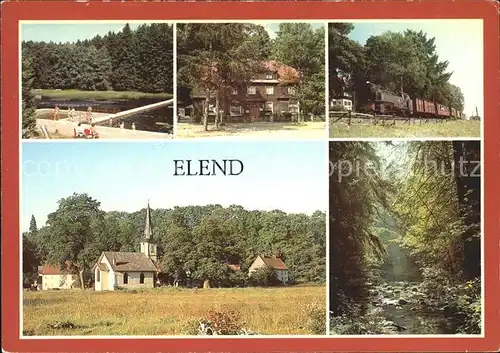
pixel 199 241
pixel 28 98
pixel 355 200
pixel 218 57
pixel 405 61
pixel 140 60
pixel 430 197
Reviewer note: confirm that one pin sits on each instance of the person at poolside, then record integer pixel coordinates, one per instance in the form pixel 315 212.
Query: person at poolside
pixel 133 126
pixel 90 118
pixel 93 131
pixel 80 131
pixel 56 112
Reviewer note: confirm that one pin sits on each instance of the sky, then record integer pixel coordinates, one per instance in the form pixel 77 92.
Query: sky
pixel 272 28
pixel 292 177
pixel 460 42
pixel 69 32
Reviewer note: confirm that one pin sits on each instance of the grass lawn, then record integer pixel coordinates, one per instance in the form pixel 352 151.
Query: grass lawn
pixel 76 94
pixel 306 130
pixel 168 311
pixel 453 128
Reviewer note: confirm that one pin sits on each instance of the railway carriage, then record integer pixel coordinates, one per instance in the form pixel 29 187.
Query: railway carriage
pixel 384 102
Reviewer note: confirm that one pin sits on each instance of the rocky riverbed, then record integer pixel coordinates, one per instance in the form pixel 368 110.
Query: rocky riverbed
pixel 403 308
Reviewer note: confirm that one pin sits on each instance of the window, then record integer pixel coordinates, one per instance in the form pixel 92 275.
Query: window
pixel 236 110
pixel 290 90
pixel 270 90
pixel 141 278
pixel 293 107
pixel 252 90
pixel 269 76
pixel 125 278
pixel 269 106
pixel 98 276
pixel 234 91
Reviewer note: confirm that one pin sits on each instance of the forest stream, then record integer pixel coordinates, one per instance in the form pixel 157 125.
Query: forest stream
pixel 405 309
pixel 399 301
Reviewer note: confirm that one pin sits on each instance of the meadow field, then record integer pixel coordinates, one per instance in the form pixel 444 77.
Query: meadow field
pixel 294 310
pixel 453 128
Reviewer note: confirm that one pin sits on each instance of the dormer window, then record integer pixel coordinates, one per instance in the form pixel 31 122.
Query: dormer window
pixel 269 76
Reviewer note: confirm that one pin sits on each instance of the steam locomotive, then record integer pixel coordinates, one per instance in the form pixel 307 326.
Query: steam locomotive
pixel 384 102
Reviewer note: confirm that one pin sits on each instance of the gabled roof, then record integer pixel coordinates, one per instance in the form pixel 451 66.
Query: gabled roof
pixel 286 74
pixel 48 269
pixel 102 266
pixel 274 262
pixel 129 261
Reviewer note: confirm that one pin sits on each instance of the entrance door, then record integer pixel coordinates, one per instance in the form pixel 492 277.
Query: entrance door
pixel 104 280
pixel 255 113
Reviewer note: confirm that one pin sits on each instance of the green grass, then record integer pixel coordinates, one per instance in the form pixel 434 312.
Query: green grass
pixel 168 310
pixel 454 128
pixel 76 94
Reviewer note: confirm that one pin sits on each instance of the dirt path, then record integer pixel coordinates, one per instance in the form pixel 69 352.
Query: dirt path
pixel 266 130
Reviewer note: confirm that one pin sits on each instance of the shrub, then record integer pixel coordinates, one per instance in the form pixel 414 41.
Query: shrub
pixel 264 277
pixel 315 318
pixel 466 300
pixel 216 323
pixel 238 279
pixel 191 327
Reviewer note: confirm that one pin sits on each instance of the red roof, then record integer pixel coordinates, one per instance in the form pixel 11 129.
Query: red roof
pixel 52 270
pixel 286 73
pixel 234 267
pixel 274 262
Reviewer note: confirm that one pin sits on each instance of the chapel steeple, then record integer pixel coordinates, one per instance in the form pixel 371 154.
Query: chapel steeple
pixel 148 247
pixel 148 229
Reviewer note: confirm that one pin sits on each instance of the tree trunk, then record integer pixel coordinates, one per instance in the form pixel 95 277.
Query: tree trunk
pixel 206 110
pixel 466 155
pixel 217 110
pixel 227 105
pixel 82 283
pixel 206 283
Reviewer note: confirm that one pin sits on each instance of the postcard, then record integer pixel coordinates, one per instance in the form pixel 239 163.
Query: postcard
pixel 250 176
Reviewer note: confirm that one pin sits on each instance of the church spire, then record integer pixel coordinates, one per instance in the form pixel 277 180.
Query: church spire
pixel 148 230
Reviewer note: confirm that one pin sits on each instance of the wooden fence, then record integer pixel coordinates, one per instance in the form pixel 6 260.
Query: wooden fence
pixel 351 117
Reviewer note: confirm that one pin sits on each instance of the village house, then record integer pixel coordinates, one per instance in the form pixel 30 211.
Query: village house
pixel 269 96
pixel 272 262
pixel 53 277
pixel 129 269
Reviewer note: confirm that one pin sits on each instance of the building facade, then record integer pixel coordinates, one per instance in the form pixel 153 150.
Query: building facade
pixel 53 277
pixel 273 262
pixel 128 270
pixel 271 95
